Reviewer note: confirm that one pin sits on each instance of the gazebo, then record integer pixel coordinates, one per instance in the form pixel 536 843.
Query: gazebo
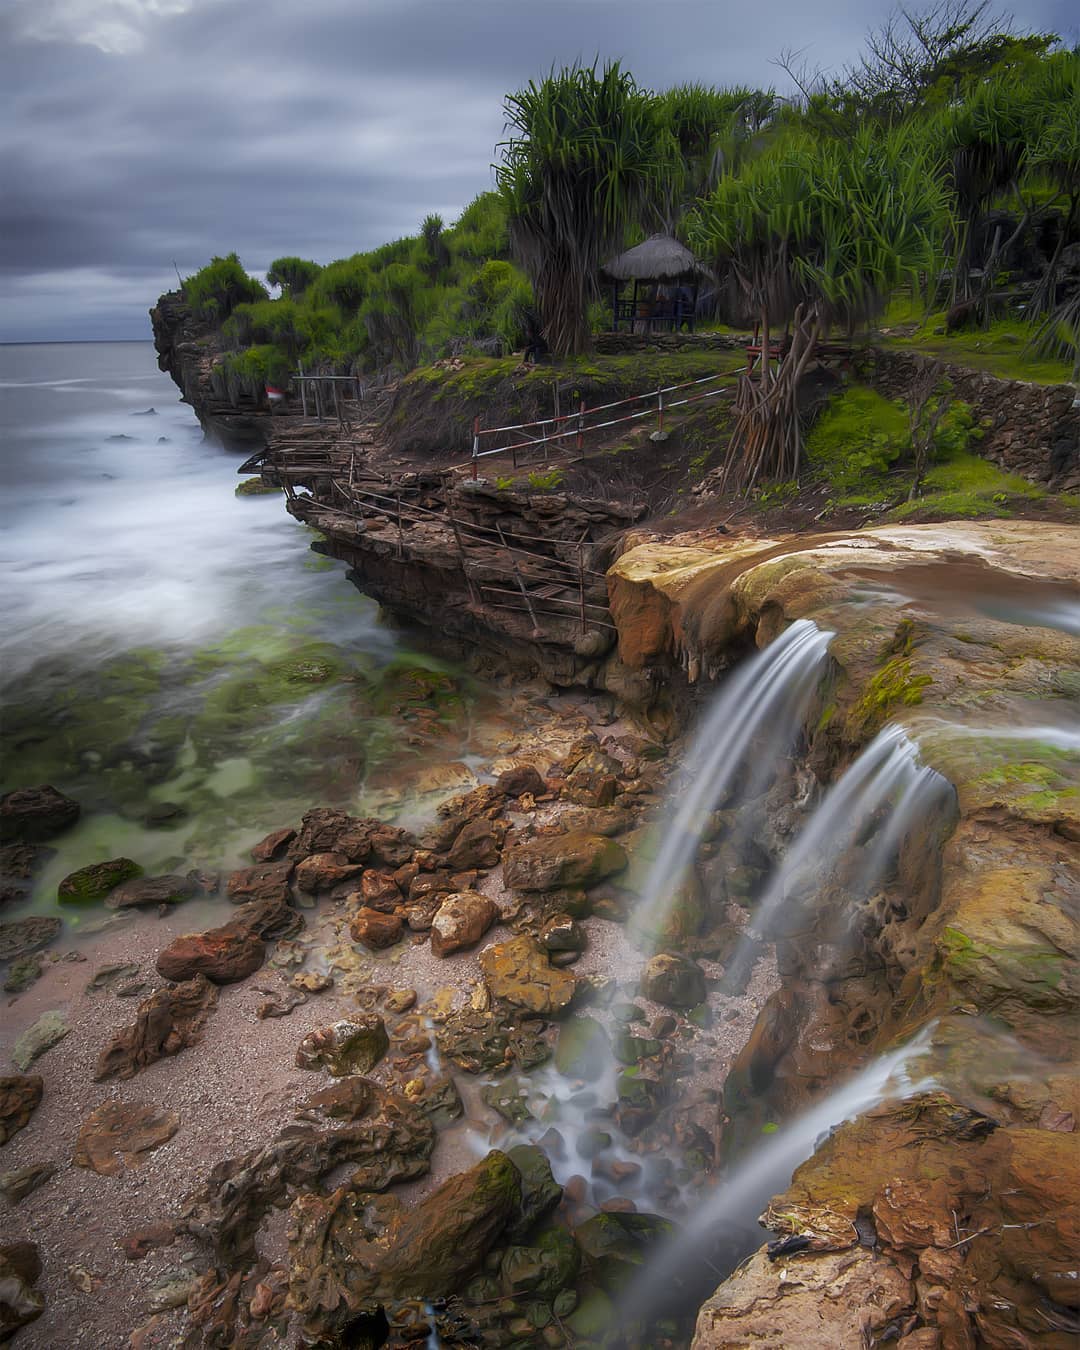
pixel 665 275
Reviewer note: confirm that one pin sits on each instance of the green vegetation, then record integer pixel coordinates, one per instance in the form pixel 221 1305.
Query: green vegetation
pixel 215 291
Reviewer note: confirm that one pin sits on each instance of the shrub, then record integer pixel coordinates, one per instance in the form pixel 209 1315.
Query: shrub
pixel 216 289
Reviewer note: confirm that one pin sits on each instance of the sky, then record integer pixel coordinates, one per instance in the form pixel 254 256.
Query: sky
pixel 143 135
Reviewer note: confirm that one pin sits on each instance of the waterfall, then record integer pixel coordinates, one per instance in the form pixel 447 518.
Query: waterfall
pixel 733 1207
pixel 887 777
pixel 765 701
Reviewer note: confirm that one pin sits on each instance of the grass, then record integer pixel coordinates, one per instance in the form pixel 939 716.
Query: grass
pixel 966 486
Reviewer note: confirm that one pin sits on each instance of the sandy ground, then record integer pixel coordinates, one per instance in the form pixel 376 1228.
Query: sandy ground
pixel 238 1087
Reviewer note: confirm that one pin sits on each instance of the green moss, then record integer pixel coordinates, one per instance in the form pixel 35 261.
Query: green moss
pixel 894 686
pixel 966 486
pixel 855 442
pixel 1004 349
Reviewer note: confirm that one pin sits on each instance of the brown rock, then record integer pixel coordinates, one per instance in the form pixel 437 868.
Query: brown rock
pixel 519 972
pixel 352 1046
pixel 273 846
pixel 33 814
pixel 392 847
pixel 400 1000
pixel 165 890
pixel 322 871
pixel 590 789
pixel 16 1186
pixel 19 1097
pixel 561 933
pixel 478 844
pixel 263 882
pixel 224 955
pixel 120 1134
pixel 420 917
pixel 311 981
pixel 20 1303
pixel 375 929
pixel 575 859
pixel 461 921
pixel 520 779
pixel 673 980
pixel 326 830
pixel 145 1240
pixel 165 1023
pixel 380 890
pixel 430 884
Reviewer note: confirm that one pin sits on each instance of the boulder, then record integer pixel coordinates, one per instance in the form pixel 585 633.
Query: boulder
pixel 380 890
pixel 327 830
pixel 575 859
pixel 223 955
pixel 673 981
pixel 346 1047
pixel 37 813
pixel 374 929
pixel 49 1030
pixel 119 1135
pixel 478 844
pixel 521 779
pixel 391 846
pixel 583 1049
pixel 19 1097
pixel 163 890
pixel 165 1023
pixel 25 935
pixel 322 871
pixel 561 933
pixel 90 884
pixel 519 972
pixel 616 1247
pixel 273 846
pixel 263 882
pixel 461 921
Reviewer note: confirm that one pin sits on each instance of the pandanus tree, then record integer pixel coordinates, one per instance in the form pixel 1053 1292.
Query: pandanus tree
pixel 817 233
pixel 586 150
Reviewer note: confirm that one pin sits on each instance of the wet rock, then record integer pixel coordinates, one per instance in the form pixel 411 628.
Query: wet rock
pixel 311 982
pixel 49 1030
pixel 273 846
pixel 540 1192
pixel 119 1135
pixel 323 871
pixel 22 973
pixel 673 981
pixel 588 787
pixel 399 1000
pixel 165 1024
pixel 561 933
pixel 19 1097
pixel 345 1047
pixel 519 973
pixel 575 859
pixel 165 890
pixel 20 1303
pixel 430 1250
pixel 142 1241
pixel 479 1041
pixel 91 884
pixel 16 1186
pixel 478 844
pixel 326 830
pixel 37 813
pixel 265 882
pixel 583 1049
pixel 271 920
pixel 18 863
pixel 508 1099
pixel 280 1004
pixel 374 929
pixel 616 1247
pixel 420 917
pixel 519 780
pixel 223 955
pixel 172 1289
pixel 461 921
pixel 110 977
pixel 380 1135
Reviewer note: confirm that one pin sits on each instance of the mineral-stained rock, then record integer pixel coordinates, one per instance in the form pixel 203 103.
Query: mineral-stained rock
pixel 311 981
pixel 142 1241
pixel 119 1135
pixel 20 1303
pixel 673 981
pixel 16 1186
pixel 346 1047
pixel 33 814
pixel 25 935
pixel 323 871
pixel 391 846
pixel 165 1023
pixel 19 1096
pixel 482 1041
pixel 399 1000
pixel 478 844
pixel 336 1267
pixel 49 1030
pixel 839 1299
pixel 375 929
pixel 164 890
pixel 326 830
pixel 271 920
pixel 519 972
pixel 90 884
pixel 561 933
pixel 461 921
pixel 575 859
pixel 383 1137
pixel 224 955
pixel 265 881
pixel 273 846
pixel 522 778
pixel 380 890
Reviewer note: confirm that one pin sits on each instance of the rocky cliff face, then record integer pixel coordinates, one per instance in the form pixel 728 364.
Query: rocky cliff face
pixel 948 1219
pixel 190 352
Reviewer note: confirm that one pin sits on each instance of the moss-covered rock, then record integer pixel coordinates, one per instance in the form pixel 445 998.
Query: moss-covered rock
pixel 91 884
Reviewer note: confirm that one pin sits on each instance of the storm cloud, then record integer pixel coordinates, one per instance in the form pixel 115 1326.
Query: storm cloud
pixel 145 133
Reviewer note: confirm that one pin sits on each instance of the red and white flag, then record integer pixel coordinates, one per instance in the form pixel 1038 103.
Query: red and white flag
pixel 274 394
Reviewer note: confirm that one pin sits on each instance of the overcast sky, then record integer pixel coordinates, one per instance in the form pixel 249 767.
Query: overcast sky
pixel 143 132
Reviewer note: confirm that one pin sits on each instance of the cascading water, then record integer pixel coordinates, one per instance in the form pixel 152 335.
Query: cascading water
pixel 887 777
pixel 763 703
pixel 729 1215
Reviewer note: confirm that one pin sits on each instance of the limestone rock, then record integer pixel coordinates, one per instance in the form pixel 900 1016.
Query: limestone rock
pixel 480 1041
pixel 163 890
pixel 37 813
pixel 165 1023
pixel 673 981
pixel 323 871
pixel 24 935
pixel 391 846
pixel 224 955
pixel 263 882
pixel 375 929
pixel 345 1047
pixel 575 859
pixel 90 884
pixel 461 921
pixel 49 1030
pixel 119 1135
pixel 519 972
pixel 19 1097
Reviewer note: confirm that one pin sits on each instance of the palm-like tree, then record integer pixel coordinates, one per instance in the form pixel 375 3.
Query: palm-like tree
pixel 817 233
pixel 585 151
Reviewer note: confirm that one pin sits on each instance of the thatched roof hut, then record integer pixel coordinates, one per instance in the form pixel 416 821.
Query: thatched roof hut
pixel 669 272
pixel 660 258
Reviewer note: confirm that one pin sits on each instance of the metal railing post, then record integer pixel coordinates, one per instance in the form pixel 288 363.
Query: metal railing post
pixel 475 445
pixel 581 427
pixel 660 409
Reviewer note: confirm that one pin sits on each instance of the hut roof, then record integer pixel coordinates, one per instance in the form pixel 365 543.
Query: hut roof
pixel 659 258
